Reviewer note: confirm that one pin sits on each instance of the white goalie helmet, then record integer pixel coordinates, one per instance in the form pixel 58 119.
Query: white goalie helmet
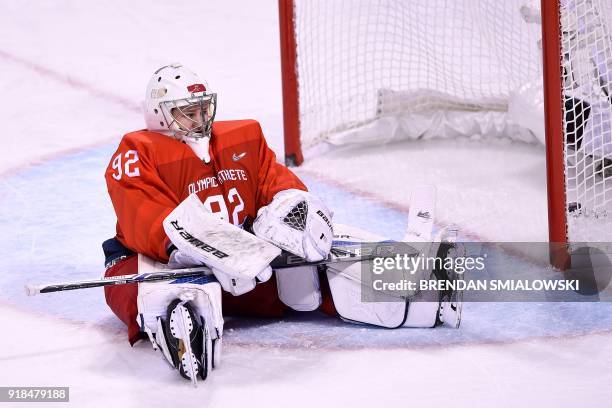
pixel 179 104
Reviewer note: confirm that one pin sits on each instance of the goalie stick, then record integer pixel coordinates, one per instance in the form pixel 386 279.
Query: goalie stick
pixel 340 253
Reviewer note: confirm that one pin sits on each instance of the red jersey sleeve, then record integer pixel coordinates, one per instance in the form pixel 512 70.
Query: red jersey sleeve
pixel 140 197
pixel 273 176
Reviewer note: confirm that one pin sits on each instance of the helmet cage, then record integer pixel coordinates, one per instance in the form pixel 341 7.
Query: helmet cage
pixel 183 109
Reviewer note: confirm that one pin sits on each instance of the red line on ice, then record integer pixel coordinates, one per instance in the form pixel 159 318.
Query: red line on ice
pixel 72 83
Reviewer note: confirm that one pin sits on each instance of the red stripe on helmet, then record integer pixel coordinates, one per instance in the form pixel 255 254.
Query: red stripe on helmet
pixel 196 88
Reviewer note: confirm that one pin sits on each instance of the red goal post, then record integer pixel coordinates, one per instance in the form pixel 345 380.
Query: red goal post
pixel 291 124
pixel 555 135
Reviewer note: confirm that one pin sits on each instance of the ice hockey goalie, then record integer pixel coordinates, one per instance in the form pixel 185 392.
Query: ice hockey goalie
pixel 191 191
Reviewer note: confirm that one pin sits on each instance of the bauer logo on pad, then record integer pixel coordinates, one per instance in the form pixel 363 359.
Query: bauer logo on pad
pixel 196 242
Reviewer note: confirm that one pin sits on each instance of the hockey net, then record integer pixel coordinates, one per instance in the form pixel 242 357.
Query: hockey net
pixel 374 71
pixel 586 54
pixel 408 69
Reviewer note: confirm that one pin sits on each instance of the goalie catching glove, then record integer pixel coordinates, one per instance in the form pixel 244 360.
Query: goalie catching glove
pixel 297 222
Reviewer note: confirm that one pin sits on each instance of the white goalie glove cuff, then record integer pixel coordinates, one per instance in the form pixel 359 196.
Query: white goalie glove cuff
pixel 237 286
pixel 298 222
pixel 179 260
pixel 230 283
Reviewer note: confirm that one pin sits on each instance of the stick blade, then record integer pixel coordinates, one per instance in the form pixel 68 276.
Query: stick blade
pixel 32 289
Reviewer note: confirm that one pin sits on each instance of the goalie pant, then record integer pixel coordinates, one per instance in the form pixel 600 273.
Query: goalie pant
pixel 263 301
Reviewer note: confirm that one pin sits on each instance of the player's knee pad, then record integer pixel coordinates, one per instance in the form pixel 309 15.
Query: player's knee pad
pixel 299 287
pixel 356 302
pixel 423 309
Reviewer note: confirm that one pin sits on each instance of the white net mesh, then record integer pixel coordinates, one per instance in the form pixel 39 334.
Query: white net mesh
pixel 395 61
pixel 587 91
pixel 371 71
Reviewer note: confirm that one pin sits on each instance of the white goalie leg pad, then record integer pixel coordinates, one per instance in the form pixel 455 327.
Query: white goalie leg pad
pixel 346 289
pixel 385 309
pixel 423 310
pixel 154 298
pixel 346 286
pixel 299 288
pixel 388 310
pixel 206 239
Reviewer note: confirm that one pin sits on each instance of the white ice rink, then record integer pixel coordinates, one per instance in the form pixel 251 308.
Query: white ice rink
pixel 73 75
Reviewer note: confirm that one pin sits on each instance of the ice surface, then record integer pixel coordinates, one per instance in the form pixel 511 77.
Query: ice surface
pixel 73 76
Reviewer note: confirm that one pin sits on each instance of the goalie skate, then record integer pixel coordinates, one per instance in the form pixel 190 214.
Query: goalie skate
pixel 451 301
pixel 189 342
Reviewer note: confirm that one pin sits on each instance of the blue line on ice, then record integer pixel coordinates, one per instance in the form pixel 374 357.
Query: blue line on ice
pixel 54 218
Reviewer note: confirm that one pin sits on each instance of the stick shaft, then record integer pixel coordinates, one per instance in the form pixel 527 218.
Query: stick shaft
pixel 285 260
pixel 119 280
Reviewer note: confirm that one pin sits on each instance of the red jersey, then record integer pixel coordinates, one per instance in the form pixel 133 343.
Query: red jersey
pixel 150 174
